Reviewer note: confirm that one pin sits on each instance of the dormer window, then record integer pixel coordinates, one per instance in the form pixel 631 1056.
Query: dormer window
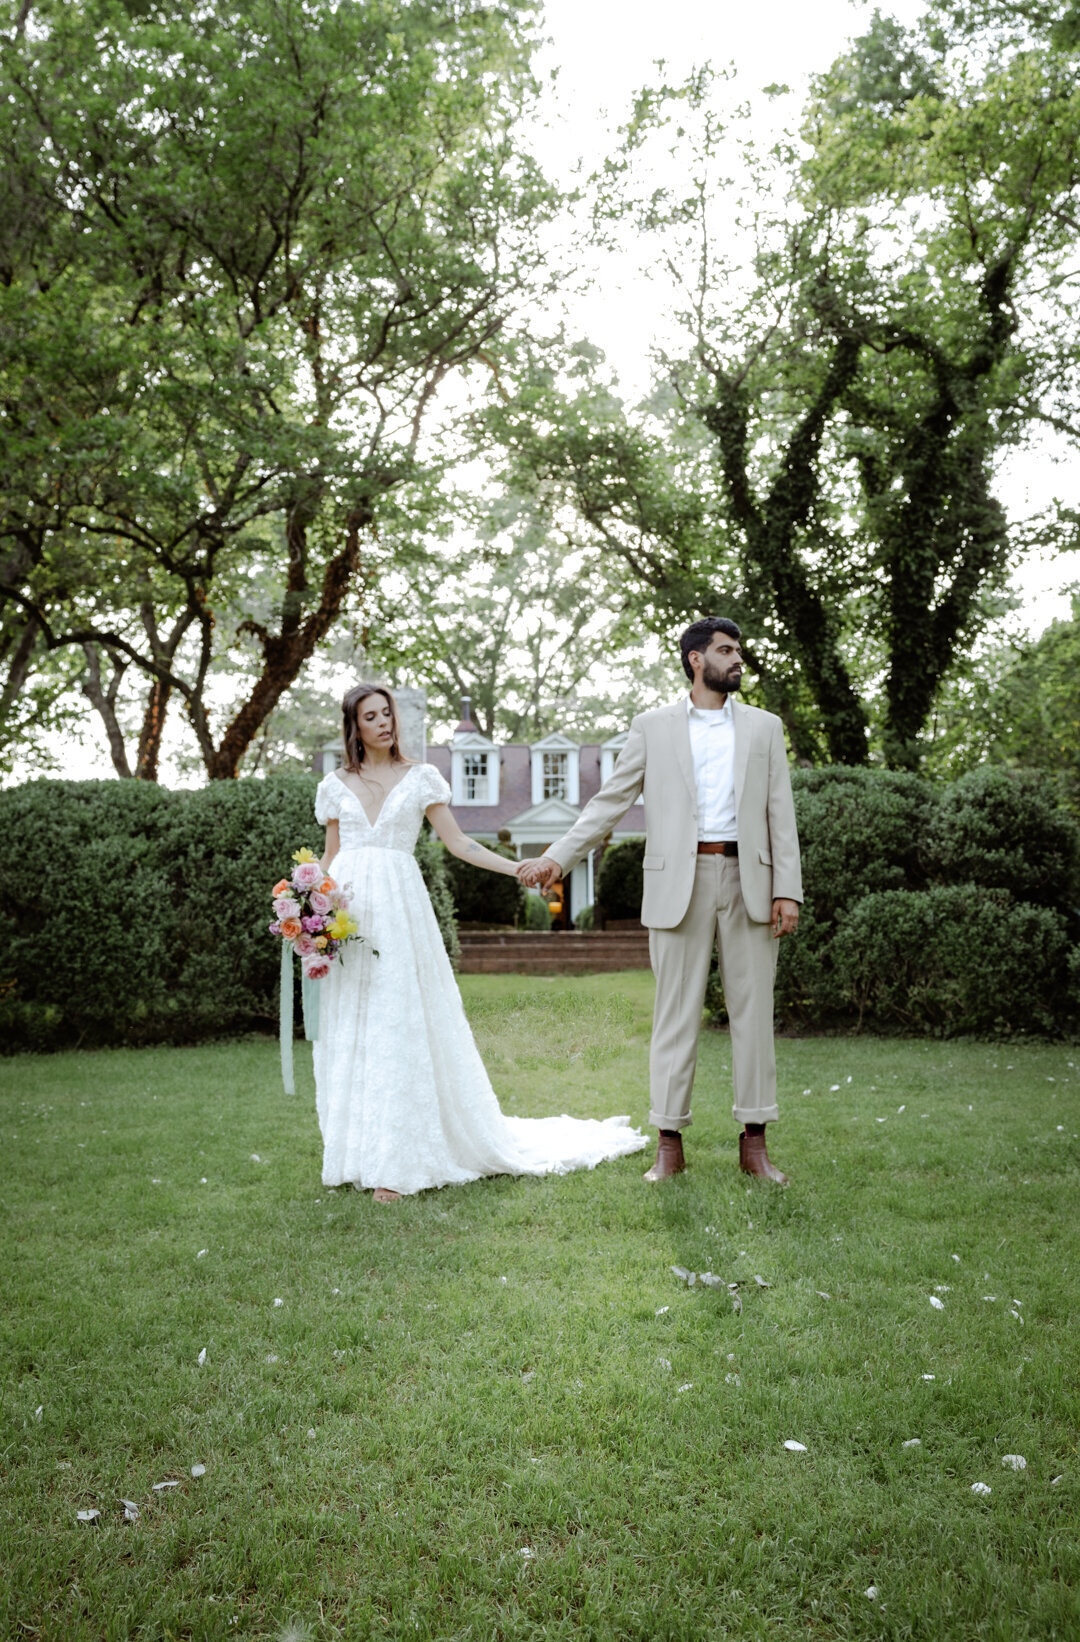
pixel 556 767
pixel 474 777
pixel 609 753
pixel 554 776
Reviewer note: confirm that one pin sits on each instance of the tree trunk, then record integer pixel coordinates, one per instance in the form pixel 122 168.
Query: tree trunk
pixel 153 726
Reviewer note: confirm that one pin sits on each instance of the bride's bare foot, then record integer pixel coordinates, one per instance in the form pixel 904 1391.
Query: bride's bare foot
pixel 382 1195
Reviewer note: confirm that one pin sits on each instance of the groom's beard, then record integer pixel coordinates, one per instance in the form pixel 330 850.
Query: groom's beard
pixel 723 683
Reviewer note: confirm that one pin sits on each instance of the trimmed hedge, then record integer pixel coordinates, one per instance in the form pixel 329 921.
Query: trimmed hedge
pixel 933 908
pixel 620 880
pixel 483 897
pixel 132 914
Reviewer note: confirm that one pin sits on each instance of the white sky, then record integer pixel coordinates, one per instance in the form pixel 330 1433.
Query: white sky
pixel 604 52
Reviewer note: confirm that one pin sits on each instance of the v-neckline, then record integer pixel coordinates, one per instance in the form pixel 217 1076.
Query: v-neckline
pixel 400 782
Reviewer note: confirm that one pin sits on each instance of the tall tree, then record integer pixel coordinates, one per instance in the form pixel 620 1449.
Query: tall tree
pixel 869 325
pixel 248 245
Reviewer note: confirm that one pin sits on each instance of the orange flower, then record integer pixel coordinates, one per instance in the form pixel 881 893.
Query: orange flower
pixel 283 888
pixel 326 886
pixel 320 941
pixel 291 928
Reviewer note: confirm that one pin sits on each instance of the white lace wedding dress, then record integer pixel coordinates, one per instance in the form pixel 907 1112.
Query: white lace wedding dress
pixel 402 1095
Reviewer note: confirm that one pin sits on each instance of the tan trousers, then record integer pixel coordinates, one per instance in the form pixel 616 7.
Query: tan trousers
pixel 680 960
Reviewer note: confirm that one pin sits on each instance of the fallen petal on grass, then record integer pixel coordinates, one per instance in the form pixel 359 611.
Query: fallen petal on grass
pixel 279 1302
pixel 736 1304
pixel 198 1470
pixel 929 1376
pixel 131 1510
pixel 664 1364
pixel 912 1442
pixel 980 1488
pixel 710 1280
pixel 822 1295
pixel 255 1158
pixel 660 1310
pixel 1014 1462
pixel 938 1305
pixel 201 1358
pixel 689 1386
pixel 761 1283
pixel 201 1253
pixel 1055 1480
pixel 87 1516
pixel 681 1273
pixel 38 1412
pixel 311 1430
pixel 794 1447
pixel 159 1487
pixel 527 1552
pixel 871 1592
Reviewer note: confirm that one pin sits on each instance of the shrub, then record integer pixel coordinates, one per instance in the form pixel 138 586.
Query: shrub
pixel 537 911
pixel 483 897
pixel 619 883
pixel 432 857
pixel 954 958
pixel 1006 829
pixel 586 919
pixel 860 831
pixel 148 922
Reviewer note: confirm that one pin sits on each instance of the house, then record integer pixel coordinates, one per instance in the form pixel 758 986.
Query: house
pixel 533 791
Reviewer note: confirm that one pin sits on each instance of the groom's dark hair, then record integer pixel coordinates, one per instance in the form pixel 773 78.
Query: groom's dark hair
pixel 698 636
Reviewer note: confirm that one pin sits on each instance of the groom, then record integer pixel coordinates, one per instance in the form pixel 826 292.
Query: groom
pixel 721 865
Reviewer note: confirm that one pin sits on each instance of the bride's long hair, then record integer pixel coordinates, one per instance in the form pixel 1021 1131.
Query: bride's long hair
pixel 354 746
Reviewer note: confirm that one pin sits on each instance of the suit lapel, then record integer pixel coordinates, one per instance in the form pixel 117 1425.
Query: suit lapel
pixel 744 731
pixel 680 729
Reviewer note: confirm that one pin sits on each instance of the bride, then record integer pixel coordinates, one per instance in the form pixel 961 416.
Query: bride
pixel 403 1099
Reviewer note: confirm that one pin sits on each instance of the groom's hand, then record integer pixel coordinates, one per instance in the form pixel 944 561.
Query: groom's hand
pixel 540 873
pixel 785 917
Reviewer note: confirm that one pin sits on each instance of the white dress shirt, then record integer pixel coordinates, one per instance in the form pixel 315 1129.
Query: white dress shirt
pixel 712 746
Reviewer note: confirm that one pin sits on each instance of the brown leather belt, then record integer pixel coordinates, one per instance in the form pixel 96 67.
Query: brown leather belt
pixel 727 847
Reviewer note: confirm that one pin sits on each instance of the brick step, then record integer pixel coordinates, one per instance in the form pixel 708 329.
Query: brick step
pixel 600 964
pixel 549 954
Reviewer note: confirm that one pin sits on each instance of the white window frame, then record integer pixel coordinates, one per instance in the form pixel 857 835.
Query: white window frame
pixel 557 743
pixel 469 745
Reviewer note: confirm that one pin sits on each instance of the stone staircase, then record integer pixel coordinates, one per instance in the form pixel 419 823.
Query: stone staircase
pixel 574 953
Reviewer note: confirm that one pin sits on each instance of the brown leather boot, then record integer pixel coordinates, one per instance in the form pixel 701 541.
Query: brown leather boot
pixel 754 1159
pixel 669 1158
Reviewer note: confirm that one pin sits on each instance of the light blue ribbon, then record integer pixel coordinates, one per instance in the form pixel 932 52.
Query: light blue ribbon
pixel 309 996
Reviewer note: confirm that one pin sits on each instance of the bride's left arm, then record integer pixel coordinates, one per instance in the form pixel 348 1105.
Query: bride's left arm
pixel 464 847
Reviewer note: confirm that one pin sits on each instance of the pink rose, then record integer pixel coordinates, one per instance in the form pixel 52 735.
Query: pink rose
pixel 307 875
pixel 319 902
pixel 275 929
pixel 316 966
pixel 286 907
pixel 313 925
pixel 304 945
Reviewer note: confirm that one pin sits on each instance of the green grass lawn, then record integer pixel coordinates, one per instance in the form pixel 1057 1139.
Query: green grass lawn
pixel 493 1411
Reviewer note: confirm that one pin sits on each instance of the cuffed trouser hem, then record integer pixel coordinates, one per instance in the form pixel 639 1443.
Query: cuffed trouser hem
pixel 766 1114
pixel 665 1120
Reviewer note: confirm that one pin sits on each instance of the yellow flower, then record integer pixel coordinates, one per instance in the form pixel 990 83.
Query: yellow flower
pixel 321 942
pixel 341 926
pixel 300 856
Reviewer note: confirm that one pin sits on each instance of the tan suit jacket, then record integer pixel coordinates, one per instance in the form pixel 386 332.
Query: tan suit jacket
pixel 657 760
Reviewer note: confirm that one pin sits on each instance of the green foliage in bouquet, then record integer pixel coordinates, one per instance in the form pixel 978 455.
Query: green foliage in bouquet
pixel 132 914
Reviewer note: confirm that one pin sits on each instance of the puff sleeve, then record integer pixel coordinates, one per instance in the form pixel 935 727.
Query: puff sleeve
pixel 436 788
pixel 328 800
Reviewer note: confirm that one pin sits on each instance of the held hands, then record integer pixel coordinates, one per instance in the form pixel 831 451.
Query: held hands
pixel 785 918
pixel 540 873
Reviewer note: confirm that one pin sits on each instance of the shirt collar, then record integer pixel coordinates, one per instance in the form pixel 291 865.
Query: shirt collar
pixel 709 715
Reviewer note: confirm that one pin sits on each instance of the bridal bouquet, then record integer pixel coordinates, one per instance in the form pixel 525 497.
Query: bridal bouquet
pixel 311 916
